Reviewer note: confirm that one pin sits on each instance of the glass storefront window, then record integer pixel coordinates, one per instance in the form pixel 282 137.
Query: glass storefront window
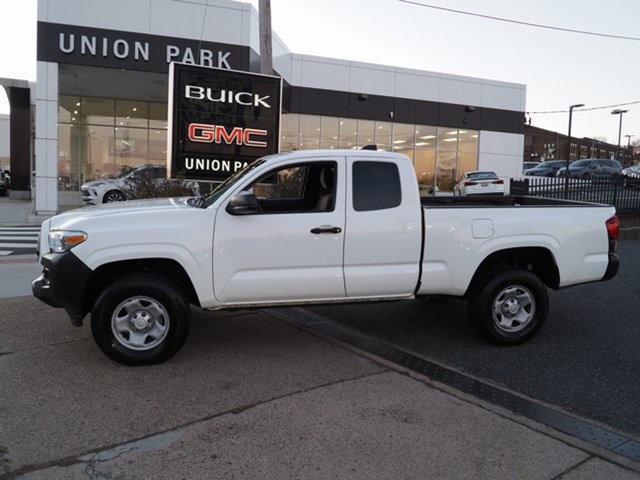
pixel 98 162
pixel 468 140
pixel 97 111
pixel 425 165
pixel 131 147
pixel 329 132
pixel 132 113
pixel 446 176
pixel 425 136
pixel 366 133
pixel 383 135
pixel 289 132
pixel 309 132
pixel 447 138
pixel 157 115
pixel 348 133
pixel 157 146
pixel 68 108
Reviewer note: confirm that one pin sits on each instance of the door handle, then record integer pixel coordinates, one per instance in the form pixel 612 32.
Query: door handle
pixel 325 229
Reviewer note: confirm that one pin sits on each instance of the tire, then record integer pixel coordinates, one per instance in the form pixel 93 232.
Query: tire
pixel 496 289
pixel 140 298
pixel 113 196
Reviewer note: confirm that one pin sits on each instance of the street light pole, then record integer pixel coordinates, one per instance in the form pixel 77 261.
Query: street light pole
pixel 566 172
pixel 617 111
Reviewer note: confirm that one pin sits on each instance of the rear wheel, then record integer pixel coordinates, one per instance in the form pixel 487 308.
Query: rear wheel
pixel 510 307
pixel 141 319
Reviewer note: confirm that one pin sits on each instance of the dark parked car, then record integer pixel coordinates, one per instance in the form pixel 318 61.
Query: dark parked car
pixel 593 169
pixel 5 182
pixel 529 165
pixel 546 169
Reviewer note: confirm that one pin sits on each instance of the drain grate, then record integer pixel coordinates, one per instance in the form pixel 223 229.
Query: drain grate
pixel 551 417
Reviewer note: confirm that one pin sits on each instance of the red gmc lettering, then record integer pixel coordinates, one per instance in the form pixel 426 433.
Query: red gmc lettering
pixel 205 133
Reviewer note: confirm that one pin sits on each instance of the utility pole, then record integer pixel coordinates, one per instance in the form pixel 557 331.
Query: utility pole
pixel 266 55
pixel 566 168
pixel 617 111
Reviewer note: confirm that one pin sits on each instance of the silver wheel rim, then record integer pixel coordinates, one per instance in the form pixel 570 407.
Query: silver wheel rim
pixel 513 308
pixel 140 323
pixel 113 197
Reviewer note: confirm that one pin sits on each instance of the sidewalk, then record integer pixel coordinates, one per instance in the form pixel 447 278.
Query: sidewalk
pixel 249 396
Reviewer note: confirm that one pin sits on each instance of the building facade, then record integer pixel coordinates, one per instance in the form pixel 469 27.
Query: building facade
pixel 541 145
pixel 4 142
pixel 101 96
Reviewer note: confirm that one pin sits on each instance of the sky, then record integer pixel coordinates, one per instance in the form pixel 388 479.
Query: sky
pixel 558 68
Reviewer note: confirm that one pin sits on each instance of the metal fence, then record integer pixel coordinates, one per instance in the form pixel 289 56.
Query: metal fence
pixel 620 191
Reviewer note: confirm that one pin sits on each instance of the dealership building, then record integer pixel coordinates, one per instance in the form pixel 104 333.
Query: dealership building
pixel 100 99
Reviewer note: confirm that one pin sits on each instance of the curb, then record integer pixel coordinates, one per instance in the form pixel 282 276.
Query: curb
pixel 630 233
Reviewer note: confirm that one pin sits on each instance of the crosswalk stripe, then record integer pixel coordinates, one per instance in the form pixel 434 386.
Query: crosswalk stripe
pixel 5 252
pixel 18 245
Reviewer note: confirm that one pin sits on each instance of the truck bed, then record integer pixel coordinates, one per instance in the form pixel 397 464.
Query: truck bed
pixel 483 201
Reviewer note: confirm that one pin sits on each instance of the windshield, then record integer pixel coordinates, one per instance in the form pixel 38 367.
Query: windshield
pixel 481 175
pixel 224 186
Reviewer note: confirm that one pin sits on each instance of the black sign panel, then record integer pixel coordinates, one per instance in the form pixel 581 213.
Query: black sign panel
pixel 220 120
pixel 100 47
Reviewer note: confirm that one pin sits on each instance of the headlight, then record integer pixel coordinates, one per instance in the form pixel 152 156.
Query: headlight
pixel 61 240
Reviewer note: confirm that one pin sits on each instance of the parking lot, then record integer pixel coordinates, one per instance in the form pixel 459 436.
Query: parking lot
pixel 250 395
pixel 584 359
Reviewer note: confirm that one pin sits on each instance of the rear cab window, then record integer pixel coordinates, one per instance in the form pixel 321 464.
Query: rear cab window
pixel 376 186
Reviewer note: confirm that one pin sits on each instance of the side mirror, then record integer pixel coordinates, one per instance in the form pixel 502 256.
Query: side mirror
pixel 245 203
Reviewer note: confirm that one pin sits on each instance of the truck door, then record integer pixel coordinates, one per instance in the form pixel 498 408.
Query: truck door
pixel 384 227
pixel 291 249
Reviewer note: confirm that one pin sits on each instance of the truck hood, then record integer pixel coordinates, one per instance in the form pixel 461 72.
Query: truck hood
pixel 119 208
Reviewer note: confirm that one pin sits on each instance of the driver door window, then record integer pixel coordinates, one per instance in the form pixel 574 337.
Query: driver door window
pixel 303 188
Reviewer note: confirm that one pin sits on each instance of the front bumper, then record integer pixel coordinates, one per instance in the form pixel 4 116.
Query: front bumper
pixel 62 283
pixel 89 196
pixel 612 267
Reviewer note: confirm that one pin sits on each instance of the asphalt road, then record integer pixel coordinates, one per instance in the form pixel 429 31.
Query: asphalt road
pixel 585 359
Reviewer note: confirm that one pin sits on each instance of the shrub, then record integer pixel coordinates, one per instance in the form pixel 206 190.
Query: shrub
pixel 146 186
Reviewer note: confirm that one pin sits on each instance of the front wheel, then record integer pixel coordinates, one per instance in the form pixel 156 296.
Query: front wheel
pixel 140 319
pixel 113 196
pixel 510 307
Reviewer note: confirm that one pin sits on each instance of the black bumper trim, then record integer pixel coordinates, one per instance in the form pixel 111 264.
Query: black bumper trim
pixel 62 283
pixel 612 267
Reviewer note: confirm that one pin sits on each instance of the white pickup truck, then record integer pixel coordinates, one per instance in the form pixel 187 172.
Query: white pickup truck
pixel 315 227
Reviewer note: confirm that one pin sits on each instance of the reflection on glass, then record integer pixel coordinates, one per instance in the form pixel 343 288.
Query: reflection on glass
pixel 309 132
pixel 131 113
pixel 348 129
pixel 468 140
pixel 366 133
pixel 425 166
pixel 467 162
pixel 447 138
pixel 157 115
pixel 446 170
pixel 68 108
pixel 131 148
pixel 99 153
pixel 383 135
pixel 329 132
pixel 289 132
pixel 157 146
pixel 403 136
pixel 97 111
pixel 425 136
pixel 65 180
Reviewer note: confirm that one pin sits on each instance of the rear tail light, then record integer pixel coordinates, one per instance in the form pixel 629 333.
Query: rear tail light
pixel 613 231
pixel 468 184
pixel 498 182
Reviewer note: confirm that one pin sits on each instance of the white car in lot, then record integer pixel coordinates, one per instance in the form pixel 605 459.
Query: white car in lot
pixel 110 190
pixel 479 183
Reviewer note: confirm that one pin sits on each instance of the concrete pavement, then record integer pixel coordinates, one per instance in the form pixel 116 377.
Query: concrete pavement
pixel 249 396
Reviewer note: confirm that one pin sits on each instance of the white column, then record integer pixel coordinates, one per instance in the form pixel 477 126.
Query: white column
pixel 46 141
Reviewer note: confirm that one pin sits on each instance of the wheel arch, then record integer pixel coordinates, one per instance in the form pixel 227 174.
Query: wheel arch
pixel 538 260
pixel 168 268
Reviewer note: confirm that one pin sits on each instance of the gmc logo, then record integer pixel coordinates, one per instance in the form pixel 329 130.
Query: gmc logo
pixel 205 133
